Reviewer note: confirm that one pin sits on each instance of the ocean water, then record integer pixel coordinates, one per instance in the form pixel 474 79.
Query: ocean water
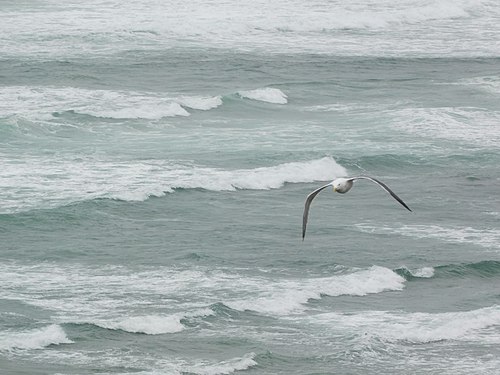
pixel 154 161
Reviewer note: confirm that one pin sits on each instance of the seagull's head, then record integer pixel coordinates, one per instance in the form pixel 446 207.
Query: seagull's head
pixel 341 185
pixel 337 186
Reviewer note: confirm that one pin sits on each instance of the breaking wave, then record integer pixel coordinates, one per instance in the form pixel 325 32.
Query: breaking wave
pixel 483 269
pixel 119 287
pixel 151 324
pixel 34 339
pixel 281 298
pixel 269 95
pixel 46 103
pixel 222 368
pixel 39 181
pixel 471 325
pixel 148 324
pixel 43 103
pixel 419 273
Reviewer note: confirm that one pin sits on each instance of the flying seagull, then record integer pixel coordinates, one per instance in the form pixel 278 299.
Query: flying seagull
pixel 343 185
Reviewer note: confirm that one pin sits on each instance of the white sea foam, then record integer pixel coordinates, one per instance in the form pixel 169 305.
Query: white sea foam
pixel 97 28
pixel 38 181
pixel 148 324
pixel 418 327
pixel 268 94
pixel 200 102
pixel 77 293
pixel 468 125
pixel 337 107
pixel 100 295
pixel 224 367
pixel 152 364
pixel 489 238
pixel 42 103
pixel 151 324
pixel 284 297
pixel 425 272
pixel 357 107
pixel 489 84
pixel 493 213
pixel 134 110
pixel 34 339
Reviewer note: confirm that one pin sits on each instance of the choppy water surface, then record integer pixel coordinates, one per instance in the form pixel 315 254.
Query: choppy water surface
pixel 154 162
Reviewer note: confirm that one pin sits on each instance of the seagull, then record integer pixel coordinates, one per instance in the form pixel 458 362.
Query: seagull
pixel 343 185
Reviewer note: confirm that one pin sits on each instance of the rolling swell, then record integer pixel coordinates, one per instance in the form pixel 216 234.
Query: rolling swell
pixel 482 269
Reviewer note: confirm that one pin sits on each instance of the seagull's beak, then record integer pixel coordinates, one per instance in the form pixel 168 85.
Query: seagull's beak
pixel 335 190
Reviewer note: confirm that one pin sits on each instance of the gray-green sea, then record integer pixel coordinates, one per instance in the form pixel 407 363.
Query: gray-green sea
pixel 155 157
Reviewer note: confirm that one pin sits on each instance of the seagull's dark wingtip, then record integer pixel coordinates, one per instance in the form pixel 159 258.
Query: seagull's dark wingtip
pixel 405 206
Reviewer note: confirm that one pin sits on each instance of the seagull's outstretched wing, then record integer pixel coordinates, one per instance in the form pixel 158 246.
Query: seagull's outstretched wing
pixel 309 199
pixel 383 186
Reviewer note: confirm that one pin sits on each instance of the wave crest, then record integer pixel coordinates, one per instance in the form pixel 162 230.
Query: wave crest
pixel 268 94
pixel 420 273
pixel 43 103
pixel 148 324
pixel 284 297
pixel 223 368
pixel 418 327
pixel 152 324
pixel 201 103
pixel 137 181
pixel 34 339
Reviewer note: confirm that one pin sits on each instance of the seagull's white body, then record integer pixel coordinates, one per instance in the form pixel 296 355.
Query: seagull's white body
pixel 343 185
